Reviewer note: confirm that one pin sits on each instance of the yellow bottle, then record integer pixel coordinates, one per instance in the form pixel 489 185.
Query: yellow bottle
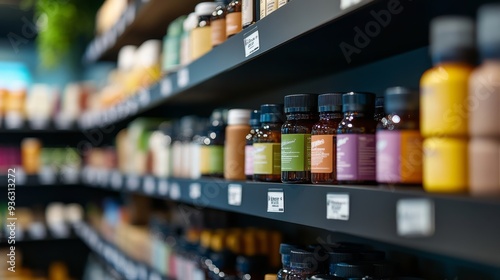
pixel 444 105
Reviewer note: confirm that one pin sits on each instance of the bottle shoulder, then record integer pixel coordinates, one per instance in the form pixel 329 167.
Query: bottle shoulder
pixel 446 72
pixel 353 125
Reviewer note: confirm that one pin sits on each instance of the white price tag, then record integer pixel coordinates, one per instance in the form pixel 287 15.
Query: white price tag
pixel 175 191
pixel 149 185
pixel 166 87
pixel 133 182
pixel 116 180
pixel 234 194
pixel 415 217
pixel 276 201
pixel 344 4
pixel 163 187
pixel 251 42
pixel 337 207
pixel 20 176
pixel 183 77
pixel 47 175
pixel 194 190
pixel 144 97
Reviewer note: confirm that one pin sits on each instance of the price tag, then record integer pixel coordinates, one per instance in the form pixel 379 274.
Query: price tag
pixel 251 42
pixel 166 87
pixel 20 176
pixel 133 182
pixel 276 201
pixel 175 191
pixel 183 77
pixel 163 187
pixel 144 97
pixel 234 194
pixel 116 180
pixel 69 174
pixel 149 185
pixel 415 217
pixel 337 207
pixel 194 191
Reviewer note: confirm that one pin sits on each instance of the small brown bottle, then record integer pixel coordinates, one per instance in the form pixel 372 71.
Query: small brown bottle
pixel 356 162
pixel 267 144
pixel 323 139
pixel 233 18
pixel 234 154
pixel 301 114
pixel 218 23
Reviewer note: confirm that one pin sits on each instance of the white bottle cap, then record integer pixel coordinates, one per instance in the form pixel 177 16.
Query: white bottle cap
pixel 126 57
pixel 73 213
pixel 190 22
pixel 205 8
pixel 54 214
pixel 149 53
pixel 238 116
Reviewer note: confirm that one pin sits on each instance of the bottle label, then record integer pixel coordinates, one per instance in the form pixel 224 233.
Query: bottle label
pixel 323 153
pixel 295 152
pixel 248 160
pixel 218 31
pixel 399 156
pixel 215 159
pixel 282 3
pixel 247 8
pixel 271 6
pixel 204 163
pixel 356 157
pixel 263 7
pixel 233 23
pixel 201 41
pixel 267 158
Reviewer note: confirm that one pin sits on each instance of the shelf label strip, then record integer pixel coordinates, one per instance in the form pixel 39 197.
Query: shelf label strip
pixel 275 201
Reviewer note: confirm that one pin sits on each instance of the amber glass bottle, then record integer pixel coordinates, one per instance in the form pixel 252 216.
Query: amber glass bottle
pixel 356 139
pixel 323 139
pixel 301 114
pixel 218 23
pixel 233 18
pixel 267 144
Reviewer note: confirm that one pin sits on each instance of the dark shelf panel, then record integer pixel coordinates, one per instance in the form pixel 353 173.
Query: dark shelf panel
pixel 443 224
pixel 47 236
pixel 126 267
pixel 142 20
pixel 294 46
pixel 45 179
pixel 50 128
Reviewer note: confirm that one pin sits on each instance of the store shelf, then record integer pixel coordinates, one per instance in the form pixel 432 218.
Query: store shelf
pixel 50 128
pixel 293 46
pixel 442 224
pixel 142 20
pixel 46 178
pixel 41 235
pixel 126 267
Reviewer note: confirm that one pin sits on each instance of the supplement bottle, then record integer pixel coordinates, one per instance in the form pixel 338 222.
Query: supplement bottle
pixel 218 23
pixel 484 93
pixel 271 6
pixel 234 154
pixel 353 270
pixel 188 25
pixel 285 250
pixel 249 12
pixel 303 264
pixel 233 18
pixel 267 144
pixel 399 144
pixel 379 109
pixel 214 144
pixel 444 106
pixel 301 114
pixel 356 139
pixel 201 35
pixel 323 139
pixel 254 129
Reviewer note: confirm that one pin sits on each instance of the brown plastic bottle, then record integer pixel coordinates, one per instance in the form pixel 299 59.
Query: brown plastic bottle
pixel 267 144
pixel 233 18
pixel 234 154
pixel 356 163
pixel 301 114
pixel 323 139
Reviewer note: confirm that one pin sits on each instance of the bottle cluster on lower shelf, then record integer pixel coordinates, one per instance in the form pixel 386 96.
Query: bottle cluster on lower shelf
pixel 56 270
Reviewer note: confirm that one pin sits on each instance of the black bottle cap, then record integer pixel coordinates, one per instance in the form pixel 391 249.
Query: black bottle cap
pixel 399 99
pixel 286 248
pixel 351 269
pixel 358 102
pixel 271 113
pixel 452 39
pixel 303 259
pixel 379 102
pixel 371 255
pixel 188 125
pixel 341 256
pixel 296 103
pixel 255 118
pixel 330 102
pixel 324 277
pixel 488 37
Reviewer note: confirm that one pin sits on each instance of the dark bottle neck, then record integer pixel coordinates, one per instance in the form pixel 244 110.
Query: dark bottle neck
pixel 360 114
